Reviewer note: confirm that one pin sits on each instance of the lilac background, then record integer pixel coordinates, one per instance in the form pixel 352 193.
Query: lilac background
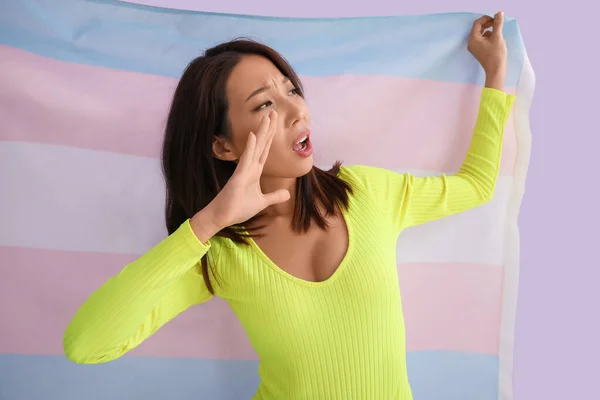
pixel 557 353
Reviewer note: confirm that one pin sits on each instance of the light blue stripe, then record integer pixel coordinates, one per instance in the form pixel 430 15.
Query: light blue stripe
pixel 162 41
pixel 434 375
pixel 447 375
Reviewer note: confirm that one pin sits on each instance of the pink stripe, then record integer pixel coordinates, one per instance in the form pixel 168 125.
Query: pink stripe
pixel 452 306
pixel 447 306
pixel 389 122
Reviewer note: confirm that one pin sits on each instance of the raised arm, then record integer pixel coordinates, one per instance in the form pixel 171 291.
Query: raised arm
pixel 406 200
pixel 422 199
pixel 429 198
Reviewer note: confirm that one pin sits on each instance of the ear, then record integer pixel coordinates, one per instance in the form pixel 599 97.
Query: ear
pixel 222 149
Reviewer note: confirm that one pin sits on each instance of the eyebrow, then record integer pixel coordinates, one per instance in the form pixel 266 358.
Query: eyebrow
pixel 264 88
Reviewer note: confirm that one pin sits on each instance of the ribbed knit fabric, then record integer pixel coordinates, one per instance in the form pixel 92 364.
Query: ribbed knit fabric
pixel 342 338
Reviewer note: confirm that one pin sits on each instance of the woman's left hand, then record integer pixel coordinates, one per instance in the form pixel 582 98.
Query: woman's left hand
pixel 489 48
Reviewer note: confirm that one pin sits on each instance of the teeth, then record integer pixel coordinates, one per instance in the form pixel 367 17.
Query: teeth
pixel 303 139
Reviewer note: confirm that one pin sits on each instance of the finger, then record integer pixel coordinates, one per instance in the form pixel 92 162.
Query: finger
pixel 276 197
pixel 273 125
pixel 486 32
pixel 248 154
pixel 262 136
pixel 487 25
pixel 479 23
pixel 265 152
pixel 263 129
pixel 498 24
pixel 272 131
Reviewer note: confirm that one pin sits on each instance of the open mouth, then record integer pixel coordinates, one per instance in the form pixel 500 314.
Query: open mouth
pixel 301 144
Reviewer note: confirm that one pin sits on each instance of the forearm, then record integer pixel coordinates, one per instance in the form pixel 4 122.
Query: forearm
pixel 482 162
pixel 131 305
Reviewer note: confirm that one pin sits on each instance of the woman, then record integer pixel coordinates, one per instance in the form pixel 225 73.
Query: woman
pixel 305 257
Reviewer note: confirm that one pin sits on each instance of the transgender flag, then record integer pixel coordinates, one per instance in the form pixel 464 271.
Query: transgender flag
pixel 84 91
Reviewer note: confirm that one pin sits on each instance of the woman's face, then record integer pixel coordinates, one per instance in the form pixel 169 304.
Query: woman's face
pixel 255 87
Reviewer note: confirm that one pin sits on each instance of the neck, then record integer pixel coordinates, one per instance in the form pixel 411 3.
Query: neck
pixel 283 209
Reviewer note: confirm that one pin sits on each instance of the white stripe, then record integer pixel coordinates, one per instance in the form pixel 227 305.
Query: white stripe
pixel 77 199
pixel 85 200
pixel 525 91
pixel 474 236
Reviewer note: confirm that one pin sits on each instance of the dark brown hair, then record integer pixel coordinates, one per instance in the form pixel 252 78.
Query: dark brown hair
pixel 198 112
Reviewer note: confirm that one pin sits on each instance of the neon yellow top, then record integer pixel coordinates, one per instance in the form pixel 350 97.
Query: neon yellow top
pixel 342 338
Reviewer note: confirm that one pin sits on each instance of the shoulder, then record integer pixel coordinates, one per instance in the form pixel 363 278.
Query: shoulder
pixel 373 179
pixel 225 254
pixel 361 173
pixel 220 247
pixel 224 260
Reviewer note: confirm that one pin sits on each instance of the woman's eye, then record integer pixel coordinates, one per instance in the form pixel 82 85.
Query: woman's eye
pixel 269 103
pixel 265 105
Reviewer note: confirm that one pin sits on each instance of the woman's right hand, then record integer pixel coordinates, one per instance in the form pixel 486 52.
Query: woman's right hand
pixel 242 197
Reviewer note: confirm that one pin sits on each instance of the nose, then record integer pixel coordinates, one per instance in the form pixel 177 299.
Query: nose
pixel 296 112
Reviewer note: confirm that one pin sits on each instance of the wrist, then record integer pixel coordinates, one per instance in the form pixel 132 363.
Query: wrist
pixel 495 79
pixel 204 225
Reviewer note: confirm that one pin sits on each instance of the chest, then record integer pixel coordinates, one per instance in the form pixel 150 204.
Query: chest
pixel 312 256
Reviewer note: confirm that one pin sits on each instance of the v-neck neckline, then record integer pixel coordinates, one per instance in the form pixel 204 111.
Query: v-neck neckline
pixel 338 271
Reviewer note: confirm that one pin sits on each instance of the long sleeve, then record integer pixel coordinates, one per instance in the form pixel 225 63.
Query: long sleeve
pixel 132 305
pixel 407 200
